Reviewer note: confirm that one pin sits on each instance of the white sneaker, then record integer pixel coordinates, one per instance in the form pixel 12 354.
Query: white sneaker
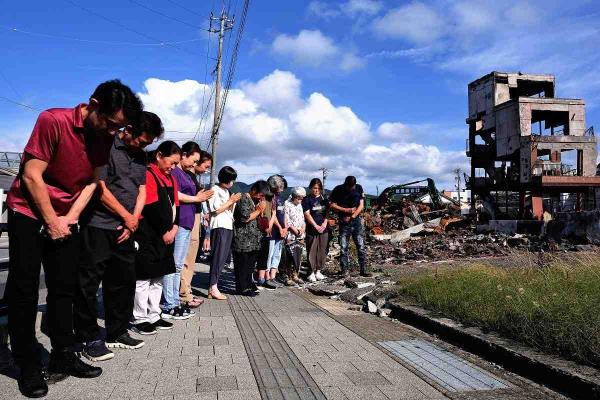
pixel 312 278
pixel 319 276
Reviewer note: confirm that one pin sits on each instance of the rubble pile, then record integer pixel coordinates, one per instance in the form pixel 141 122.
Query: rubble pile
pixel 391 214
pixel 408 231
pixel 444 246
pixel 395 216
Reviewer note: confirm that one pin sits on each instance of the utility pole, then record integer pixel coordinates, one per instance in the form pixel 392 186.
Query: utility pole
pixel 324 172
pixel 224 25
pixel 457 172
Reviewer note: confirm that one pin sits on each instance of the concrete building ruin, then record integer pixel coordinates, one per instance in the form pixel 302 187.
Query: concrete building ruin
pixel 530 151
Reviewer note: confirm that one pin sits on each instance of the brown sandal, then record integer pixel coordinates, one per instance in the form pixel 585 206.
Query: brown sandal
pixel 220 296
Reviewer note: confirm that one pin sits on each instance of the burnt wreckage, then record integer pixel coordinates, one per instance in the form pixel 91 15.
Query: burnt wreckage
pixel 530 151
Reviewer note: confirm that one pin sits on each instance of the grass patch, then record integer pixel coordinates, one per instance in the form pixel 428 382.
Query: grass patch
pixel 554 307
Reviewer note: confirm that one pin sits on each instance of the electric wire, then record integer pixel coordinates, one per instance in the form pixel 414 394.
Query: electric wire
pixel 232 65
pixel 163 14
pixel 9 84
pixel 19 103
pixel 123 26
pixel 204 83
pixel 185 8
pixel 52 36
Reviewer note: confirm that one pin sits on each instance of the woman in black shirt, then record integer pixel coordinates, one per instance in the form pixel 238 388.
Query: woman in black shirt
pixel 317 235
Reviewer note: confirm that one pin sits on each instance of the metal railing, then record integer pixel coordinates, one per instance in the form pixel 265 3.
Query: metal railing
pixel 10 160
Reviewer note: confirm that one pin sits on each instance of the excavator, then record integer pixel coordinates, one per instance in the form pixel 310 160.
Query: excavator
pixel 389 194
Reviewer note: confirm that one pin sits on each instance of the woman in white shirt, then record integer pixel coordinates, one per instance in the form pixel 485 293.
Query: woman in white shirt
pixel 221 227
pixel 294 241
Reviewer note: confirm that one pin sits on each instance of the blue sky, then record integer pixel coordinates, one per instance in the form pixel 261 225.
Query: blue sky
pixel 367 87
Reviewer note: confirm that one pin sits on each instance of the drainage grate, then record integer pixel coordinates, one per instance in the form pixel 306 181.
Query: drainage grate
pixel 445 368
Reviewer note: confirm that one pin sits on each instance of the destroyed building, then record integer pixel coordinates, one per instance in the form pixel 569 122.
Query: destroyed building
pixel 530 151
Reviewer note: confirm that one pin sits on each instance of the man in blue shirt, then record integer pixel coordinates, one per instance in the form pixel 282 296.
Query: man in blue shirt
pixel 348 200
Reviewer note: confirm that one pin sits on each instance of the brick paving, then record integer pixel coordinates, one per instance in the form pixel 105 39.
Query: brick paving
pixel 279 372
pixel 376 330
pixel 343 364
pixel 279 345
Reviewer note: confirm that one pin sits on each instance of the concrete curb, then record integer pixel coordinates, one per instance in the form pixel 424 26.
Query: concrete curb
pixel 577 381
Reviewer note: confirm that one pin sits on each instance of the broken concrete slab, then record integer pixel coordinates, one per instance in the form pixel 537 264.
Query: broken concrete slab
pixel 350 283
pixel 384 312
pixel 404 235
pixel 381 237
pixel 371 307
pixel 355 296
pixel 327 289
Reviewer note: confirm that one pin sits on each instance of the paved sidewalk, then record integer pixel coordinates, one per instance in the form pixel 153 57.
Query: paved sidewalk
pixel 342 364
pixel 283 344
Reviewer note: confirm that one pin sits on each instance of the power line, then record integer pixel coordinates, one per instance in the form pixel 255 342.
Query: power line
pixel 72 2
pixel 188 132
pixel 224 24
pixel 225 56
pixel 325 172
pixel 202 116
pixel 232 63
pixel 204 120
pixel 52 36
pixel 164 15
pixel 185 8
pixel 9 84
pixel 20 104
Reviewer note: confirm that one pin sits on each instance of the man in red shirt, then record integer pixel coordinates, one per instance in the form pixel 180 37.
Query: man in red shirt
pixel 55 183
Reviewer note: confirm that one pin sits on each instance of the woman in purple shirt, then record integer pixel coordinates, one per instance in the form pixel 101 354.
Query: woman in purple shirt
pixel 188 198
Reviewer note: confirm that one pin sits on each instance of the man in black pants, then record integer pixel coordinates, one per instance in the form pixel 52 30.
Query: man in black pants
pixel 108 252
pixel 349 202
pixel 55 183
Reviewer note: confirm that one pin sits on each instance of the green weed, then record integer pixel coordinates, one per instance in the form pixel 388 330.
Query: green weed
pixel 553 306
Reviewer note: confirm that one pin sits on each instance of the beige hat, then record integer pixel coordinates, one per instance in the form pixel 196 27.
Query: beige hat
pixel 299 191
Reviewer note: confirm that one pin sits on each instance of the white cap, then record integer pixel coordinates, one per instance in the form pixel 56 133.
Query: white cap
pixel 299 191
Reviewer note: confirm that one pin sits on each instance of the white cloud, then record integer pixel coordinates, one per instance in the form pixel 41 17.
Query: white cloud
pixel 410 160
pixel 336 128
pixel 309 47
pixel 178 102
pixel 473 17
pixel 351 61
pixel 312 48
pixel 361 7
pixel 523 14
pixel 277 92
pixel 350 8
pixel 394 131
pixel 415 22
pixel 15 139
pixel 323 10
pixel 471 38
pixel 258 137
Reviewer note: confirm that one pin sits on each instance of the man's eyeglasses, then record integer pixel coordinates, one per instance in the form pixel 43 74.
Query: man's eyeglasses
pixel 143 143
pixel 112 125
